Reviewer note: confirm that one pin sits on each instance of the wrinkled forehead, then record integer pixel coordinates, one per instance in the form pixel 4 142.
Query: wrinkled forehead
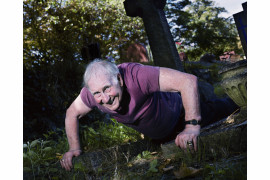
pixel 98 81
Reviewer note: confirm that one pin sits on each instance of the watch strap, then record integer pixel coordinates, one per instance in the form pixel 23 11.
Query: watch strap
pixel 193 122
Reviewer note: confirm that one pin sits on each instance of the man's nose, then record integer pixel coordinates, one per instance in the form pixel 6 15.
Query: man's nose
pixel 105 98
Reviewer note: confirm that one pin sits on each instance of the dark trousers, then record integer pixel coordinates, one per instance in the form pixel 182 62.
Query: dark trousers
pixel 211 111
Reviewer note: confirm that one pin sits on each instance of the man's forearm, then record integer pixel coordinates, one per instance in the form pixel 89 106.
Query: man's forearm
pixel 72 130
pixel 191 100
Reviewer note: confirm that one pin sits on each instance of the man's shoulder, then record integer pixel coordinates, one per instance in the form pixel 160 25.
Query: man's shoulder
pixel 128 65
pixel 134 67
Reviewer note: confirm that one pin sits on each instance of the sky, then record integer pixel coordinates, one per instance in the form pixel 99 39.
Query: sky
pixel 232 6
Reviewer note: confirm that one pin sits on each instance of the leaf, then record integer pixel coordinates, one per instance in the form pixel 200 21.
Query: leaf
pixel 46 149
pixel 31 153
pixel 59 156
pixel 146 154
pixel 168 168
pixel 153 165
pixel 46 142
pixel 34 143
pixel 186 172
pixel 24 145
pixel 25 155
pixel 154 153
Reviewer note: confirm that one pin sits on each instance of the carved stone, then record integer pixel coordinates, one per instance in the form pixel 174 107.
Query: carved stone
pixel 234 83
pixel 158 31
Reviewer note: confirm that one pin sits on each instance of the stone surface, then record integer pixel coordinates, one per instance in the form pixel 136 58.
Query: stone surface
pixel 236 88
pixel 219 140
pixel 234 83
pixel 90 164
pixel 233 69
pixel 241 24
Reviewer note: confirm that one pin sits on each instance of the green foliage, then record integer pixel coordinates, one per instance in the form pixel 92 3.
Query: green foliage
pixel 40 157
pixel 230 171
pixel 144 155
pixel 153 165
pixel 202 29
pixel 57 30
pixel 106 135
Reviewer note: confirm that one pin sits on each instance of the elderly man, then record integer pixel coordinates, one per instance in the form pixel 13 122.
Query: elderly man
pixel 161 103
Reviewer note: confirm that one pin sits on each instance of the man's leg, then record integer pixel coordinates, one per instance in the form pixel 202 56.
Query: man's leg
pixel 211 111
pixel 216 109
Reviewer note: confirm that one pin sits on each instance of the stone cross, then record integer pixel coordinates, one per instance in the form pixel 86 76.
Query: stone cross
pixel 241 24
pixel 157 29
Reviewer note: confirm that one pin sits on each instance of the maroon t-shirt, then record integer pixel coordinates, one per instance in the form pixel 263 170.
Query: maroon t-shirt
pixel 143 107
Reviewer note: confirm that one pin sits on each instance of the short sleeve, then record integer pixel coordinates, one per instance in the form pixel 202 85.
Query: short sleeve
pixel 87 98
pixel 145 77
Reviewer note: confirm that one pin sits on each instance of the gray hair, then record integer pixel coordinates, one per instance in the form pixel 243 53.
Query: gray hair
pixel 99 66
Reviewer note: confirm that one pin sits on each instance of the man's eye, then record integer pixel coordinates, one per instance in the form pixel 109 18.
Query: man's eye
pixel 107 89
pixel 97 94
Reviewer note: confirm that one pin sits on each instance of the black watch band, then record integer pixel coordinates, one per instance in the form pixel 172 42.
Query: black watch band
pixel 193 122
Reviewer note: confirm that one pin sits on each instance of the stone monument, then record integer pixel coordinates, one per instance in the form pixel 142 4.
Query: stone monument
pixel 158 31
pixel 241 24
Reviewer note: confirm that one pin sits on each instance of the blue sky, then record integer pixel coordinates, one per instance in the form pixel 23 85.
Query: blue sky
pixel 232 6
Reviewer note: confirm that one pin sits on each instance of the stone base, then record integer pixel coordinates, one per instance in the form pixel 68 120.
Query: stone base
pixel 241 116
pixel 226 140
pixel 91 164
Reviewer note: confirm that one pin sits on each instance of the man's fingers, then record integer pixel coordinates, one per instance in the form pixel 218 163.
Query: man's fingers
pixel 180 141
pixel 69 163
pixel 177 141
pixel 66 163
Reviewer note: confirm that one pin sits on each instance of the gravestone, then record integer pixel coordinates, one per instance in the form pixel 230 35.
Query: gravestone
pixel 241 24
pixel 158 31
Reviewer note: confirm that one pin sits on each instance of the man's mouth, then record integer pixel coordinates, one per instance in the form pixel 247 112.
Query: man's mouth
pixel 110 102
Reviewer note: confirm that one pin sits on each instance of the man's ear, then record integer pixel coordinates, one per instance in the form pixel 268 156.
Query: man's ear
pixel 120 79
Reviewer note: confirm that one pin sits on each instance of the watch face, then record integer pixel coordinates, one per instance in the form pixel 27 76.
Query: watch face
pixel 194 122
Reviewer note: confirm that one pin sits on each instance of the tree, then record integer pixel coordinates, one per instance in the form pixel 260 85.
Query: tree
pixel 201 29
pixel 56 30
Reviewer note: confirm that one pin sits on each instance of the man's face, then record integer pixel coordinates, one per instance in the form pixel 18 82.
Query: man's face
pixel 105 91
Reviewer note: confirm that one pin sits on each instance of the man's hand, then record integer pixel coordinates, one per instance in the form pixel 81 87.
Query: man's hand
pixel 189 134
pixel 66 161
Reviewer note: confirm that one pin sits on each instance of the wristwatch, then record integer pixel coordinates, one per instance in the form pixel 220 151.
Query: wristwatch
pixel 193 122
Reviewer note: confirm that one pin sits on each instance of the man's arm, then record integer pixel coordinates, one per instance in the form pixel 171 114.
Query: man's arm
pixel 76 110
pixel 175 81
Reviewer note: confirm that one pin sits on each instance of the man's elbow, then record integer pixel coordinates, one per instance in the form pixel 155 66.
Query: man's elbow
pixel 193 80
pixel 71 113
